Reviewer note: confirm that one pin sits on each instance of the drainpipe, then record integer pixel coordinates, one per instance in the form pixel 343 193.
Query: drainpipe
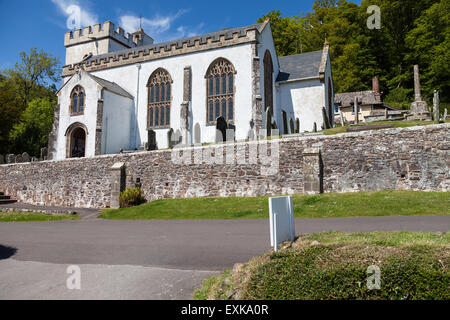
pixel 136 112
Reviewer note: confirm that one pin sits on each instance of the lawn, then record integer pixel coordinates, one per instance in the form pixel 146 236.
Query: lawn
pixel 33 216
pixel 334 266
pixel 361 204
pixel 397 124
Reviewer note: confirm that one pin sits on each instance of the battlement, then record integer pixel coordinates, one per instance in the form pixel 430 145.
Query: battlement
pixel 108 30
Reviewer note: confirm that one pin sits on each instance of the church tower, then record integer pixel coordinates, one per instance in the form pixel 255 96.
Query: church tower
pixel 97 40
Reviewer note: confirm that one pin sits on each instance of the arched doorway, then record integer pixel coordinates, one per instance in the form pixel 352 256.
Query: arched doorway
pixel 76 140
pixel 78 143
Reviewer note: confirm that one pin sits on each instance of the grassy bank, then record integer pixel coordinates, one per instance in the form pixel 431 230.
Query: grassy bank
pixel 33 216
pixel 334 266
pixel 397 124
pixel 361 204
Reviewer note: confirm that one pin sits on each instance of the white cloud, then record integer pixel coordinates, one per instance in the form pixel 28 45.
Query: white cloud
pixel 78 16
pixel 160 27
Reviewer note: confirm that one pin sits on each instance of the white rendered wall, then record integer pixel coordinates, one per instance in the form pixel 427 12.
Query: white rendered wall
pixel 117 121
pixel 129 76
pixel 303 100
pixel 89 118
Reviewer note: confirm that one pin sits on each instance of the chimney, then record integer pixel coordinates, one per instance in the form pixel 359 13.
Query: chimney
pixel 376 85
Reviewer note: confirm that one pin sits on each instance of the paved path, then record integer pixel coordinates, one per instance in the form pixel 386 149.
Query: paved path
pixel 159 259
pixel 84 213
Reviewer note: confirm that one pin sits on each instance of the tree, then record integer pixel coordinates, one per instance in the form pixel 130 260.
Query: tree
pixel 35 70
pixel 32 132
pixel 11 108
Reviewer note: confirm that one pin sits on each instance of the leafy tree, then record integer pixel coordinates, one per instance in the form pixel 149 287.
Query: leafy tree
pixel 31 133
pixel 11 108
pixel 35 70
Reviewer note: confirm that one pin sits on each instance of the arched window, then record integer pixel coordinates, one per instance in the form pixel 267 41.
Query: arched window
pixel 220 91
pixel 77 101
pixel 159 99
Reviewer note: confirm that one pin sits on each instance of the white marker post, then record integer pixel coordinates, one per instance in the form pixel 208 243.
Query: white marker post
pixel 281 215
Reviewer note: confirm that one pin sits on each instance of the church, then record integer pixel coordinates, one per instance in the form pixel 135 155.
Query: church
pixel 123 92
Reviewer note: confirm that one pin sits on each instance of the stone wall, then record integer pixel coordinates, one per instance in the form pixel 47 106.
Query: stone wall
pixel 415 158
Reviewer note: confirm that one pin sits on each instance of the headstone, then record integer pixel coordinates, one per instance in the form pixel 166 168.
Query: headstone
pixel 34 159
pixel 419 108
pixel 297 125
pixel 386 114
pixel 445 114
pixel 2 159
pixel 184 121
pixel 342 118
pixel 436 106
pixel 118 183
pixel 171 139
pixel 356 110
pixel 26 157
pixel 44 154
pixel 315 127
pixel 221 129
pixel 151 135
pixel 10 158
pixel 326 122
pixel 251 135
pixel 19 158
pixel 282 226
pixel 197 134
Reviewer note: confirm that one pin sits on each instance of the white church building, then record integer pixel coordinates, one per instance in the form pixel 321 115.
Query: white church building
pixel 125 92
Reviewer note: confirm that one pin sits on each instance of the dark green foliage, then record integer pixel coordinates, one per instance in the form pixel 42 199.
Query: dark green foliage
pixel 412 32
pixel 131 197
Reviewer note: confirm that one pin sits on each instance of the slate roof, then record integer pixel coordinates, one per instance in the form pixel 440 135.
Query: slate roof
pixel 364 98
pixel 111 86
pixel 300 66
pixel 228 33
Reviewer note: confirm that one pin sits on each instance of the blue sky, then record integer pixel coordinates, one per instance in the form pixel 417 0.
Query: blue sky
pixel 42 23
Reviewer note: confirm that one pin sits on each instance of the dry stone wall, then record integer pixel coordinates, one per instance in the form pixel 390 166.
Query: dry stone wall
pixel 415 158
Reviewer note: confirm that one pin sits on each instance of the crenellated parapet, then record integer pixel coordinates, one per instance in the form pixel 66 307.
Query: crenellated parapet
pixel 139 54
pixel 99 32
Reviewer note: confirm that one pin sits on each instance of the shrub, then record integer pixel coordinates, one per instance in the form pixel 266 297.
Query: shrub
pixel 131 197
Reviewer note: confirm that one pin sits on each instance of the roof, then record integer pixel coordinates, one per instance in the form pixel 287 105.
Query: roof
pixel 111 86
pixel 228 33
pixel 300 66
pixel 108 85
pixel 364 98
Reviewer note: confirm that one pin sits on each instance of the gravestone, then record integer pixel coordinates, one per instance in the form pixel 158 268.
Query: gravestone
pixel 118 183
pixel 315 127
pixel 251 135
pixel 221 129
pixel 34 159
pixel 151 136
pixel 445 114
pixel 342 118
pixel 26 157
pixel 2 160
pixel 419 108
pixel 19 158
pixel 355 105
pixel 171 140
pixel 281 215
pixel 291 125
pixel 10 158
pixel 197 134
pixel 44 154
pixel 436 106
pixel 386 114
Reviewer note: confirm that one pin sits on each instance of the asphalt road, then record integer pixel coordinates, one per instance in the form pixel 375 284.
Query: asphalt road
pixel 149 259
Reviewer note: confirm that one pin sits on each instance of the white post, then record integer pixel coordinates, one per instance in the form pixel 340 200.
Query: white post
pixel 275 239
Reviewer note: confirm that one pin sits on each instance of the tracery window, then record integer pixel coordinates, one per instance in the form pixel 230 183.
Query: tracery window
pixel 77 101
pixel 159 99
pixel 220 91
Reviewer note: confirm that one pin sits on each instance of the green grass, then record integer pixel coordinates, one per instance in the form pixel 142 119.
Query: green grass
pixel 361 204
pixel 397 124
pixel 33 216
pixel 333 265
